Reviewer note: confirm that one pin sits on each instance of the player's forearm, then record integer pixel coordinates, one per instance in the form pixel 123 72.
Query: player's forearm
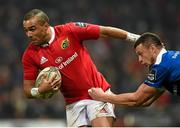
pixel 151 100
pixel 32 93
pixel 113 32
pixel 148 103
pixel 28 85
pixel 126 99
pixel 27 92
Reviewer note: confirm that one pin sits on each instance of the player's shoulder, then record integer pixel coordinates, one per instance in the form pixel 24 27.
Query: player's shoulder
pixel 76 24
pixel 164 62
pixel 172 54
pixel 69 25
pixel 163 58
pixel 169 57
pixel 66 27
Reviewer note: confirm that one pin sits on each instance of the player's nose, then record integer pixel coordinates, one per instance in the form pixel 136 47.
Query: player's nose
pixel 140 60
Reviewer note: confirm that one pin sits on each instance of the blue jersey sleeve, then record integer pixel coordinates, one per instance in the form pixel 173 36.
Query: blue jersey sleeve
pixel 157 76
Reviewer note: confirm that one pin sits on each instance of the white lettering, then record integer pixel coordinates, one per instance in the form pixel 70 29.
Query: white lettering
pixel 175 55
pixel 68 61
pixel 61 66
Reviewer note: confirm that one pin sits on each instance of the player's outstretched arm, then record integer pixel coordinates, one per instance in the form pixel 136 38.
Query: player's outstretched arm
pixel 112 32
pixel 154 98
pixel 142 97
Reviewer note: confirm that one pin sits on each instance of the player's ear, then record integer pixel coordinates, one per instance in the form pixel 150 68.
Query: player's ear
pixel 152 47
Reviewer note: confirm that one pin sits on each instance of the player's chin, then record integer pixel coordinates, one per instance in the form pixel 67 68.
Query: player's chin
pixel 147 65
pixel 36 43
pixel 144 64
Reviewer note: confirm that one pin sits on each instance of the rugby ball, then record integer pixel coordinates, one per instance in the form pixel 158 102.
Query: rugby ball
pixel 49 71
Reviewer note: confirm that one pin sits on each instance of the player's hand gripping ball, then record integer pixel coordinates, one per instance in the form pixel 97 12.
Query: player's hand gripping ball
pixel 48 71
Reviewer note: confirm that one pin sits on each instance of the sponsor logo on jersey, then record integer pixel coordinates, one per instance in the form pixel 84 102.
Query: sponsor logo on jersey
pixel 68 61
pixel 65 43
pixel 81 24
pixel 43 60
pixel 58 60
pixel 152 75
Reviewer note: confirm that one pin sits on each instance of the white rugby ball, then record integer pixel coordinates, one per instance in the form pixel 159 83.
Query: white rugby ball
pixel 49 71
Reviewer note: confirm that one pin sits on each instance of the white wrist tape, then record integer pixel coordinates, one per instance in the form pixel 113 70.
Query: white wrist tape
pixel 35 92
pixel 132 37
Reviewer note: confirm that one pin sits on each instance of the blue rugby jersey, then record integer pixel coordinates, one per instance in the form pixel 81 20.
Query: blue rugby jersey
pixel 165 73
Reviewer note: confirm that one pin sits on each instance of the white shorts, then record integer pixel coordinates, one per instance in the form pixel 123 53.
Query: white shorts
pixel 84 111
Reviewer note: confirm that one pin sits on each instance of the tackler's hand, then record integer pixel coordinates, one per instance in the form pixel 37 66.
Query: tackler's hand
pixel 97 94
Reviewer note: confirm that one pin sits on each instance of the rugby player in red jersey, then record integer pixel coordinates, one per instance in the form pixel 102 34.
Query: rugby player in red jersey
pixel 62 46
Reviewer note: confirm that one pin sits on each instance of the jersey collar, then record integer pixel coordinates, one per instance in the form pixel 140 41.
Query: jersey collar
pixel 159 57
pixel 52 37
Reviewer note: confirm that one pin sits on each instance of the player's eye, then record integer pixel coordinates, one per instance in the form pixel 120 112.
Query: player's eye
pixel 32 29
pixel 138 53
pixel 25 30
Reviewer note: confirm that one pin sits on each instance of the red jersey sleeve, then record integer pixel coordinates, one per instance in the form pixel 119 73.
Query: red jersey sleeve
pixel 29 68
pixel 85 31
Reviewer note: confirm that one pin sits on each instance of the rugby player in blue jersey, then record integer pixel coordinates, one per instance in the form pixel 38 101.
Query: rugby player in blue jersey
pixel 164 74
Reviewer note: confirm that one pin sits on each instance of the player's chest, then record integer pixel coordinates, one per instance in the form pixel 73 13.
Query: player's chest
pixel 61 51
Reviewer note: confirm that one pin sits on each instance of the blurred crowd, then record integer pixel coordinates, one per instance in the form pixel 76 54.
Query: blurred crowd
pixel 114 58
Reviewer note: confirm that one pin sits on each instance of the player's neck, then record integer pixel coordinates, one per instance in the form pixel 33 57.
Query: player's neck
pixel 49 34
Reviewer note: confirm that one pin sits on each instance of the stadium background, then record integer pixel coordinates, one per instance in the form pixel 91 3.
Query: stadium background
pixel 114 58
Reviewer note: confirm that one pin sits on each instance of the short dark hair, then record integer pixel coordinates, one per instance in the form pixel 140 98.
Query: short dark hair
pixel 149 38
pixel 43 18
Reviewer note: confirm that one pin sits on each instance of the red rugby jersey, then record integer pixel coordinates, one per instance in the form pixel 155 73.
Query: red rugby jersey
pixel 67 52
